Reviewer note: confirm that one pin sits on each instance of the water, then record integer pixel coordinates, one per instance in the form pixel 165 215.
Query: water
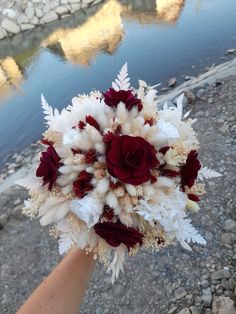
pixel 159 39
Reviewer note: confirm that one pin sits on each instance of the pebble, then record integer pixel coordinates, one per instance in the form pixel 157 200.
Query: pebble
pixel 226 238
pixel 172 82
pixel 207 296
pixel 164 89
pixel 231 51
pixel 229 225
pixel 3 220
pixel 223 305
pixel 49 17
pixel 180 293
pixel 200 93
pixel 187 77
pixel 172 310
pixel 10 26
pixel 184 311
pixel 190 96
pixel 220 274
pixel 205 284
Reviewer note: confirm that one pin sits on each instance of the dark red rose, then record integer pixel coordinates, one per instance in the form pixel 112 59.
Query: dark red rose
pixel 82 185
pixel 130 159
pixel 190 170
pixel 48 167
pixel 112 98
pixel 193 197
pixel 117 233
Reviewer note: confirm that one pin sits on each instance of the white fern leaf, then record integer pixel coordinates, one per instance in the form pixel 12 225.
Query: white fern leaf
pixel 208 173
pixel 65 243
pixel 186 114
pixel 122 81
pixel 48 111
pixel 142 83
pixel 117 264
pixel 30 183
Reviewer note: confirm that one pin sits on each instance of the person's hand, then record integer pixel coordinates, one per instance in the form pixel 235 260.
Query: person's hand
pixel 63 290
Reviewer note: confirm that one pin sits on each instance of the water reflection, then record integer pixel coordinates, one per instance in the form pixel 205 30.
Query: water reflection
pixel 153 11
pixel 81 38
pixel 10 75
pixel 169 10
pixel 102 32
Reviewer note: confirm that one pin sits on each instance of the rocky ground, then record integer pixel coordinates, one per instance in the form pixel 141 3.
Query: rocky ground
pixel 22 15
pixel 168 282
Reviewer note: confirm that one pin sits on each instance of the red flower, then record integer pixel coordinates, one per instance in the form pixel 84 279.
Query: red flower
pixel 90 120
pixel 130 159
pixel 112 98
pixel 48 167
pixel 117 233
pixel 82 185
pixel 193 197
pixel 91 156
pixel 190 170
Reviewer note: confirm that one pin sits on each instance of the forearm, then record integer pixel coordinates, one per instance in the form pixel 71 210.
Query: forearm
pixel 63 290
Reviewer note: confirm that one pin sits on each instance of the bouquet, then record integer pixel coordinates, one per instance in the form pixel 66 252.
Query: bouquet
pixel 116 174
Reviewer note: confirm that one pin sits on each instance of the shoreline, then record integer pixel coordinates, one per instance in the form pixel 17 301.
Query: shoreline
pixel 22 163
pixel 21 16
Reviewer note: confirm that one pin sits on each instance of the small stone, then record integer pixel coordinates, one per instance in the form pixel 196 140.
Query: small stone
pixel 231 51
pixel 172 82
pixel 61 10
pixel 200 93
pixel 223 305
pixel 187 77
pixel 180 293
pixel 172 310
pixel 29 12
pixel 85 1
pixel 184 311
pixel 230 225
pixel 226 238
pixel 49 17
pixel 164 89
pixel 74 7
pixel 38 12
pixel 34 20
pixel 17 202
pixel 99 310
pixel 3 33
pixel 10 26
pixel 221 274
pixel 3 220
pixel 194 310
pixel 190 96
pixel 26 27
pixel 205 284
pixel 207 297
pixel 22 19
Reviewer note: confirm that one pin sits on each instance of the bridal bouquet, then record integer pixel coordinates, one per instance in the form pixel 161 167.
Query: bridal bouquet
pixel 116 174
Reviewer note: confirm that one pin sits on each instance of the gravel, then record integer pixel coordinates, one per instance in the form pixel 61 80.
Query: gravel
pixel 170 281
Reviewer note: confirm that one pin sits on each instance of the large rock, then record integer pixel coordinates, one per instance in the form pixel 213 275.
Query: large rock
pixel 185 311
pixel 26 27
pixel 29 12
pixel 3 33
pixel 49 17
pixel 10 26
pixel 223 305
pixel 220 274
pixel 61 10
